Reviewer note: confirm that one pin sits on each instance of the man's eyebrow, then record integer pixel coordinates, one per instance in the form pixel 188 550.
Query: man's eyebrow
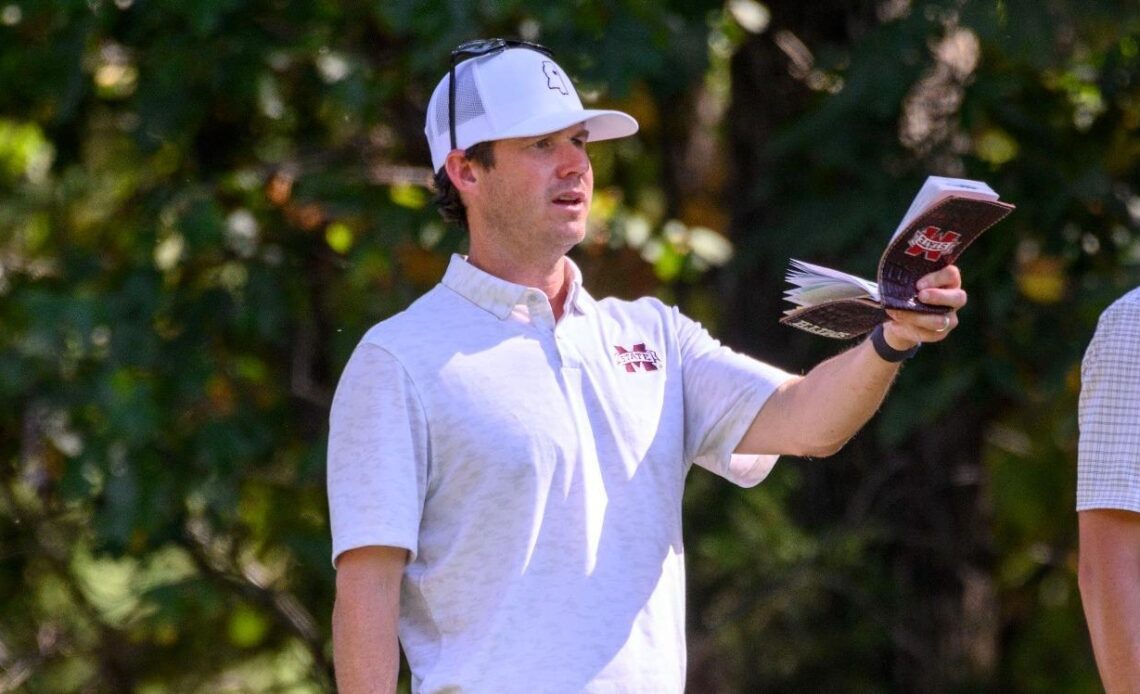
pixel 582 133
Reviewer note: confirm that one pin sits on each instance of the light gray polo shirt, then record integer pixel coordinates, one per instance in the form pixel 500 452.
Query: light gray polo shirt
pixel 535 473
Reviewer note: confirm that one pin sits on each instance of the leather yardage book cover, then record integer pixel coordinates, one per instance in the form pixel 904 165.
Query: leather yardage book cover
pixel 930 242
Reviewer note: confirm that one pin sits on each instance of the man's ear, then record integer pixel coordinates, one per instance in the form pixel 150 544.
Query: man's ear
pixel 463 172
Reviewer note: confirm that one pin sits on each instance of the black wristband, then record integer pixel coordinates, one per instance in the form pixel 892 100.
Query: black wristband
pixel 885 351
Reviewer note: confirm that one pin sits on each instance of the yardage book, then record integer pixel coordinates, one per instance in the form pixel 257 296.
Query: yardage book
pixel 944 218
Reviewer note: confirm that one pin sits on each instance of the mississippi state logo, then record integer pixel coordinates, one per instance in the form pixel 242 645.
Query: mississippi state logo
pixel 637 356
pixel 933 242
pixel 554 78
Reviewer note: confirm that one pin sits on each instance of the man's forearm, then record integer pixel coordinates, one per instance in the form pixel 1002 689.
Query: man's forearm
pixel 847 391
pixel 844 392
pixel 365 653
pixel 366 650
pixel 1110 592
pixel 815 415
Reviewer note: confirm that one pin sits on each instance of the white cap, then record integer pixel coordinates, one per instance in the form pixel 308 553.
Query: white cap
pixel 516 92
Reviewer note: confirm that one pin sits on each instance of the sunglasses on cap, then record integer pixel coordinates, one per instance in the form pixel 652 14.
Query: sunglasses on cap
pixel 475 49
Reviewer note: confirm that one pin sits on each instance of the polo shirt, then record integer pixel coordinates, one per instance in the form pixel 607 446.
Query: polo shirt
pixel 534 470
pixel 1108 455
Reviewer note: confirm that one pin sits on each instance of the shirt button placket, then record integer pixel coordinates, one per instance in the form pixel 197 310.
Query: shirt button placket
pixel 565 344
pixel 542 320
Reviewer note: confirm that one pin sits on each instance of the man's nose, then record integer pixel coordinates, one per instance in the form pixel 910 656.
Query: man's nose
pixel 572 159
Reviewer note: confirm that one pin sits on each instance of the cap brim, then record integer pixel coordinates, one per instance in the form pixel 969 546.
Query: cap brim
pixel 603 125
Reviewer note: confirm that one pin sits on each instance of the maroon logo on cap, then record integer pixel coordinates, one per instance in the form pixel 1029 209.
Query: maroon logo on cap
pixel 637 356
pixel 554 78
pixel 933 242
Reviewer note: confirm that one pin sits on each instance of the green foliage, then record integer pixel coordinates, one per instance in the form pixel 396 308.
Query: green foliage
pixel 963 488
pixel 203 205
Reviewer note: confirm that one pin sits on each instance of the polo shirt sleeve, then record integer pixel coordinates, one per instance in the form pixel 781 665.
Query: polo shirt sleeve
pixel 377 454
pixel 1108 457
pixel 723 391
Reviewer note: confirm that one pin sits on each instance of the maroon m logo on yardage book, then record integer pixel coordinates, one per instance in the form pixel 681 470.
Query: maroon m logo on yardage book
pixel 933 242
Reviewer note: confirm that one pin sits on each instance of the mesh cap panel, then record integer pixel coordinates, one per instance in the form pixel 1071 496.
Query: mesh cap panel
pixel 468 105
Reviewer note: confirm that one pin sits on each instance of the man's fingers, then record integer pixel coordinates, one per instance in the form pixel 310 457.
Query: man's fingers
pixel 923 327
pixel 954 298
pixel 939 288
pixel 947 278
pixel 946 323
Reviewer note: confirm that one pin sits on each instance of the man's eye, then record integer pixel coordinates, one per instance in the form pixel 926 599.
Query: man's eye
pixel 542 144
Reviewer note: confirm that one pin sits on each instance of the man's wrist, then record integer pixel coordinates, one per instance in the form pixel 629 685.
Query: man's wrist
pixel 884 349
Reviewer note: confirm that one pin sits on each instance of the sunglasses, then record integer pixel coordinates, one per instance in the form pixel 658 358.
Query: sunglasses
pixel 475 49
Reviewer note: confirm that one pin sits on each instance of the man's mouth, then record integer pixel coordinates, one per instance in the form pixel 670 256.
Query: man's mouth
pixel 569 199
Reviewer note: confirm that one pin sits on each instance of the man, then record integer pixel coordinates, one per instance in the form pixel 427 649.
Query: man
pixel 507 456
pixel 1108 493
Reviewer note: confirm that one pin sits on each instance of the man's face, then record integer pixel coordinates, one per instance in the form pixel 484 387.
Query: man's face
pixel 536 197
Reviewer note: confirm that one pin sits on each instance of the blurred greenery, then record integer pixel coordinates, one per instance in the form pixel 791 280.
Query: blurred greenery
pixel 203 206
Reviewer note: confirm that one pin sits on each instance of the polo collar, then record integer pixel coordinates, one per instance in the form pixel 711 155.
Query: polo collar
pixel 498 296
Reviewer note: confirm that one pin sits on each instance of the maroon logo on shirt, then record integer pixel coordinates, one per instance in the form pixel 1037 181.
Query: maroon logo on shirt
pixel 637 356
pixel 933 242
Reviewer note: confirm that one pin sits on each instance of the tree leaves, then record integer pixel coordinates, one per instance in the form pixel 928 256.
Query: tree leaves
pixel 204 205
